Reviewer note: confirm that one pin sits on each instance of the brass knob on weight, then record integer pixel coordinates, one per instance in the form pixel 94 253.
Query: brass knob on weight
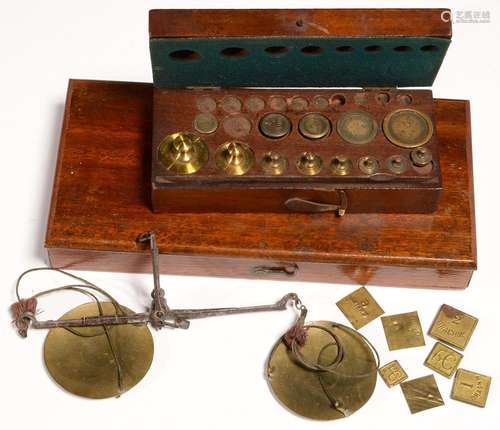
pixel 183 153
pixel 421 157
pixel 309 164
pixel 273 163
pixel 341 165
pixel 234 158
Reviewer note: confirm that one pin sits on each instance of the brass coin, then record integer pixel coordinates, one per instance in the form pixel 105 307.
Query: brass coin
pixel 183 153
pixel 234 158
pixel 231 104
pixel 237 126
pixel 323 395
pixel 205 123
pixel 421 157
pixel 255 104
pixel 408 128
pixel 206 104
pixel 368 165
pixel 309 164
pixel 273 163
pixel 357 127
pixel 397 164
pixel 275 125
pixel 315 126
pixel 86 366
pixel 341 165
pixel 299 104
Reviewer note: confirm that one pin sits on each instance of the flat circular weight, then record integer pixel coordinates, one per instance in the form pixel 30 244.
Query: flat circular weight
pixel 323 395
pixel 205 123
pixel 86 365
pixel 275 125
pixel 314 126
pixel 357 127
pixel 408 128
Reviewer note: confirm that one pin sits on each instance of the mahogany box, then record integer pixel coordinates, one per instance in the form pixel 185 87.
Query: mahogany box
pixel 101 203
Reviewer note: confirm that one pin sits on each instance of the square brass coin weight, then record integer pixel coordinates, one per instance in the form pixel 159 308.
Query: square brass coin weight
pixel 403 331
pixel 443 360
pixel 453 327
pixel 471 387
pixel 392 373
pixel 360 308
pixel 422 394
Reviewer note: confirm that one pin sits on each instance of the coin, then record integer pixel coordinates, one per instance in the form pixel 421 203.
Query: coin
pixel 314 126
pixel 422 394
pixel 323 395
pixel 408 128
pixel 341 165
pixel 205 123
pixel 87 366
pixel 231 104
pixel 392 373
pixel 234 158
pixel 360 308
pixel 443 360
pixel 255 104
pixel 471 387
pixel 183 153
pixel 273 163
pixel 309 164
pixel 275 125
pixel 453 327
pixel 357 127
pixel 368 165
pixel 403 331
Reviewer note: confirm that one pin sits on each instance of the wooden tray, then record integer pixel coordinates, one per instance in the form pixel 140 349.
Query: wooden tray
pixel 101 203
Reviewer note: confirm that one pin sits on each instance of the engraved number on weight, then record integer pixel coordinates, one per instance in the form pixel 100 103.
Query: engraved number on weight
pixel 445 360
pixel 395 374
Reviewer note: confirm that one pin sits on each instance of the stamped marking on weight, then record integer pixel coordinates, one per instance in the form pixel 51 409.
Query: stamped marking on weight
pixel 443 360
pixel 453 327
pixel 422 394
pixel 471 387
pixel 360 308
pixel 392 373
pixel 403 331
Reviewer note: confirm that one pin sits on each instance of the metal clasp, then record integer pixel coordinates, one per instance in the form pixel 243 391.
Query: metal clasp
pixel 296 204
pixel 287 269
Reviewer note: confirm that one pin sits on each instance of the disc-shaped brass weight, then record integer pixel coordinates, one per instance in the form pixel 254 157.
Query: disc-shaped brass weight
pixel 183 153
pixel 408 128
pixel 324 395
pixel 87 362
pixel 234 158
pixel 357 127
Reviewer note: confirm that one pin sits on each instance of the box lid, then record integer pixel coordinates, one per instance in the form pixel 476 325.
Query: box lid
pixel 298 48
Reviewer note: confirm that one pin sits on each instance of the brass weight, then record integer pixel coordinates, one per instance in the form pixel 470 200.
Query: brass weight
pixel 183 153
pixel 408 128
pixel 357 127
pixel 234 158
pixel 273 163
pixel 83 362
pixel 309 164
pixel 324 395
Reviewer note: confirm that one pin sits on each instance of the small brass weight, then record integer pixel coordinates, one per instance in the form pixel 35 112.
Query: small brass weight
pixel 321 370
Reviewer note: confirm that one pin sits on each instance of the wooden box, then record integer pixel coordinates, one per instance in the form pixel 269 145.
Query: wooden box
pixel 295 149
pixel 101 203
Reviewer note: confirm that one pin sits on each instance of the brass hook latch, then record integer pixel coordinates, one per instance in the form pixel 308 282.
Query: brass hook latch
pixel 297 204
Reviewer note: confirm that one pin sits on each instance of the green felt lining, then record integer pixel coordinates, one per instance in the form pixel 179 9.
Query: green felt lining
pixel 326 62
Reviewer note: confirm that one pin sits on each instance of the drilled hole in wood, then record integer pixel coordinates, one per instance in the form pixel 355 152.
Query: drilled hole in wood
pixel 234 52
pixel 312 50
pixel 405 99
pixel 383 98
pixel 184 55
pixel 338 100
pixel 276 50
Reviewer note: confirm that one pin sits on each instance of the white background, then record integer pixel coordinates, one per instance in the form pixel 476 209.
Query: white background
pixel 211 376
